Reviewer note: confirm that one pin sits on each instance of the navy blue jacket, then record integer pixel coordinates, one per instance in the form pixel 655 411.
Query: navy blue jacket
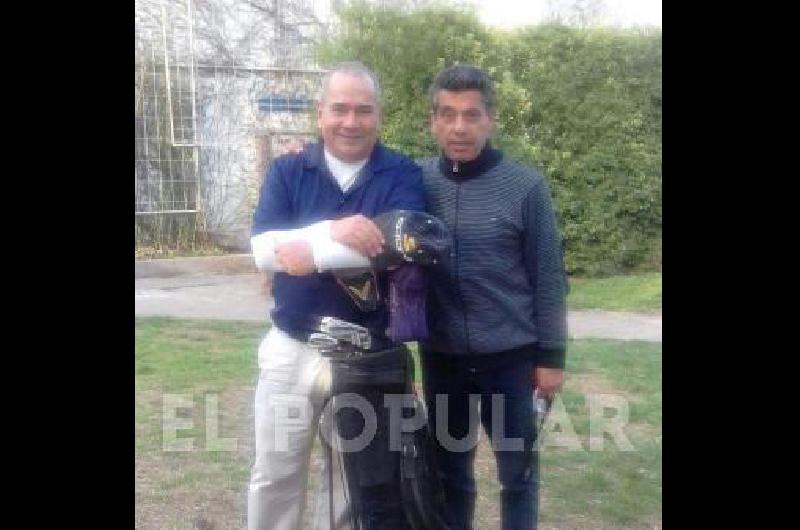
pixel 299 190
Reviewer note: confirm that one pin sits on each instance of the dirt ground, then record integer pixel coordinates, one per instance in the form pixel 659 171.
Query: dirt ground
pixel 207 491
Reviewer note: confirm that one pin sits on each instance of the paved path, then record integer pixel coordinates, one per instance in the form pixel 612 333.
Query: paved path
pixel 239 297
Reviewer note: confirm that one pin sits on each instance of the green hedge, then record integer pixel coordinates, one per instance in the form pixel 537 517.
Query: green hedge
pixel 582 105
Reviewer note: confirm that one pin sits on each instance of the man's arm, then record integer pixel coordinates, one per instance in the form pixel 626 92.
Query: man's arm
pixel 315 247
pixel 331 244
pixel 279 246
pixel 350 241
pixel 545 264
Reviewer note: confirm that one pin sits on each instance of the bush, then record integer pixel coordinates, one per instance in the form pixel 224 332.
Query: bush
pixel 582 105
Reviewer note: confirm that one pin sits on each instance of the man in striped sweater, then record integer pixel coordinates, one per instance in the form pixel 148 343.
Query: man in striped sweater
pixel 497 308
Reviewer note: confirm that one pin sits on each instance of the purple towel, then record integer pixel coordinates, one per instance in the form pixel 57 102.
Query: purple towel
pixel 407 292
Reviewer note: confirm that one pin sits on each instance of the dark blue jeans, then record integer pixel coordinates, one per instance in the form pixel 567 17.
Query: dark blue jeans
pixel 517 463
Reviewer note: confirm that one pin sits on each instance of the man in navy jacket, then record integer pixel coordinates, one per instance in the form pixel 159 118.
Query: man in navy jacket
pixel 313 206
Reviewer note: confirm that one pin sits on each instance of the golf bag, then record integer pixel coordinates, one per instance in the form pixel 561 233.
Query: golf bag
pixel 391 482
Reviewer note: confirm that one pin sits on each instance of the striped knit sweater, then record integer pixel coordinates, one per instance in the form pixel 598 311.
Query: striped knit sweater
pixel 503 290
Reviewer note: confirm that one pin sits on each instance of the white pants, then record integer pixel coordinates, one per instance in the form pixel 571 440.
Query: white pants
pixel 288 400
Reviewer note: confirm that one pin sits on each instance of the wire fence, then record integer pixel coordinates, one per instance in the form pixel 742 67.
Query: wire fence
pixel 220 86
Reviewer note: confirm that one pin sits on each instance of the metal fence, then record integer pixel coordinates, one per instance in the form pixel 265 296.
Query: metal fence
pixel 220 85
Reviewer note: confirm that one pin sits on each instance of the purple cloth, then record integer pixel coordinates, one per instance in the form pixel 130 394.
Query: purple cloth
pixel 407 293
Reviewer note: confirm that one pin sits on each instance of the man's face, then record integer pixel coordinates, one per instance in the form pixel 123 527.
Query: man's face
pixel 461 124
pixel 348 117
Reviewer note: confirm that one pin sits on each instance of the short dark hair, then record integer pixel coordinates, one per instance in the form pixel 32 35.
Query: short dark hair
pixel 464 77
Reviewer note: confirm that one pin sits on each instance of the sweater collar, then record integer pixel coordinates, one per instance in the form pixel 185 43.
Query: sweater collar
pixel 314 156
pixel 461 171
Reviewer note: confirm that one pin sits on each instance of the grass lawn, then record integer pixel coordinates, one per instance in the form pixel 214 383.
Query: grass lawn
pixel 635 292
pixel 210 368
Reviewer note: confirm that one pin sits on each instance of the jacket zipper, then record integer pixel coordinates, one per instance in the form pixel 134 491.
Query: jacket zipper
pixel 458 261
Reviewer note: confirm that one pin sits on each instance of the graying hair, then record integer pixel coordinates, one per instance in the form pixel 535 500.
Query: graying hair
pixel 353 68
pixel 464 77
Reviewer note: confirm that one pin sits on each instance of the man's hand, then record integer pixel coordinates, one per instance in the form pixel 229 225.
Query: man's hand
pixel 358 233
pixel 548 381
pixel 295 257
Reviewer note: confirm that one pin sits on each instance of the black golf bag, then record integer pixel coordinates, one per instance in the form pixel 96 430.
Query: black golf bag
pixel 390 483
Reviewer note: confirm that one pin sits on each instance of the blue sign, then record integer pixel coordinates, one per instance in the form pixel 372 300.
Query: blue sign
pixel 283 104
